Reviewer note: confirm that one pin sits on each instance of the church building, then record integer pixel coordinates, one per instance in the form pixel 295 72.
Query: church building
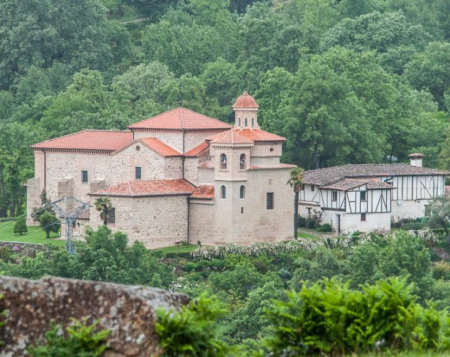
pixel 179 176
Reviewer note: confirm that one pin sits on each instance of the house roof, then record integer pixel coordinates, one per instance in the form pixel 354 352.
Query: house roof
pixel 203 192
pixel 230 137
pixel 348 184
pixel 160 147
pixel 89 140
pixel 180 119
pixel 258 135
pixel 245 101
pixel 139 188
pixel 279 166
pixel 331 174
pixel 196 151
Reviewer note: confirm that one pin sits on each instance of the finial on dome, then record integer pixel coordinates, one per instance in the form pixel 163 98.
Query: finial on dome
pixel 245 93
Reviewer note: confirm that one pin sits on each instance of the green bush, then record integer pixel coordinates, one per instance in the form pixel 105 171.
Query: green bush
pixel 330 318
pixel 302 222
pixel 192 331
pixel 80 339
pixel 49 223
pixel 324 228
pixel 20 227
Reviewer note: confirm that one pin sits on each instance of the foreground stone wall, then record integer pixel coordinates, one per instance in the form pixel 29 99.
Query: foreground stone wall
pixel 128 311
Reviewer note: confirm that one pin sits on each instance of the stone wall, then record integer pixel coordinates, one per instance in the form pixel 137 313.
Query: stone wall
pixel 34 190
pixel 128 311
pixel 156 221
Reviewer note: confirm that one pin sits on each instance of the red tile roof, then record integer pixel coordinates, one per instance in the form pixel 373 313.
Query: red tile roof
pixel 148 188
pixel 280 166
pixel 180 119
pixel 160 147
pixel 416 154
pixel 245 101
pixel 259 135
pixel 196 151
pixel 99 140
pixel 230 137
pixel 206 165
pixel 203 192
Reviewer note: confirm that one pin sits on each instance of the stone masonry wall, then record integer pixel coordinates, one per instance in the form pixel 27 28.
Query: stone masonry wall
pixel 128 311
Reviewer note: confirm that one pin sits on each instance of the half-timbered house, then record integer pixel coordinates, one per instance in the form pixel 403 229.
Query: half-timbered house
pixel 367 197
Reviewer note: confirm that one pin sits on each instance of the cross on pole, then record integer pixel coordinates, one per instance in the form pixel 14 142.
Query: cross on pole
pixel 70 215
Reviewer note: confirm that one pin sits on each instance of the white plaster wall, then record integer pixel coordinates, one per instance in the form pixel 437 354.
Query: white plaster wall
pixel 375 222
pixel 156 221
pixel 408 209
pixel 171 138
pixel 267 150
pixel 307 194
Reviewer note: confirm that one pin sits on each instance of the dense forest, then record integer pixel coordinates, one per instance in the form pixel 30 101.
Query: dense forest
pixel 345 81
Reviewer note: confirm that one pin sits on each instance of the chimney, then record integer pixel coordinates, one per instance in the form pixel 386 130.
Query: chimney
pixel 416 159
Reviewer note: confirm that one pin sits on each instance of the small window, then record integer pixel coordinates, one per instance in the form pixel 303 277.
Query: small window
pixel 223 161
pixel 84 176
pixel 242 210
pixel 239 122
pixel 223 192
pixel 246 122
pixel 269 200
pixel 111 215
pixel 253 122
pixel 363 195
pixel 363 217
pixel 138 172
pixel 312 188
pixel 334 196
pixel 242 192
pixel 302 187
pixel 243 162
pixel 427 210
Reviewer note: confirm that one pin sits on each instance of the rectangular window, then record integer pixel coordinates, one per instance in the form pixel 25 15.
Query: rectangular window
pixel 303 187
pixel 312 188
pixel 269 200
pixel 363 217
pixel 84 176
pixel 334 196
pixel 111 215
pixel 363 195
pixel 138 172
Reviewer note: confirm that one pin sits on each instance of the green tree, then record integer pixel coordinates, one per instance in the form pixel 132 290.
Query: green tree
pixel 103 205
pixel 49 223
pixel 440 214
pixel 444 156
pixel 20 227
pixel 295 181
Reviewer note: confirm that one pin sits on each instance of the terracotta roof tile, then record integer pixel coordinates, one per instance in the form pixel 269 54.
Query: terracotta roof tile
pixel 331 174
pixel 230 137
pixel 148 188
pixel 416 154
pixel 206 165
pixel 259 135
pixel 196 151
pixel 245 101
pixel 280 166
pixel 180 119
pixel 160 147
pixel 101 140
pixel 203 192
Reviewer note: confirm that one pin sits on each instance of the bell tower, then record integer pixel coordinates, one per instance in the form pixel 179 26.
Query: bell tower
pixel 245 112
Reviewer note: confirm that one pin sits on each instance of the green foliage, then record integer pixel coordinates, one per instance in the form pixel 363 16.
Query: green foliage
pixel 324 228
pixel 440 214
pixel 20 227
pixel 103 205
pixel 79 339
pixel 49 223
pixel 192 331
pixel 328 317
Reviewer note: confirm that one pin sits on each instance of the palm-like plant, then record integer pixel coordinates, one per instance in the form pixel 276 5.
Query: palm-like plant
pixel 103 205
pixel 295 181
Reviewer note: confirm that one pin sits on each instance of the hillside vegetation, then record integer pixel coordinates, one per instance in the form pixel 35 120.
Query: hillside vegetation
pixel 345 81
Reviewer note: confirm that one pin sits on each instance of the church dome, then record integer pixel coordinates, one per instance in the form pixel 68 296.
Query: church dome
pixel 245 101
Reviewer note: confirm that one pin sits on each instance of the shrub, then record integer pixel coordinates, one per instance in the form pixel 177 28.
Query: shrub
pixel 329 318
pixel 192 331
pixel 20 227
pixel 302 221
pixel 80 339
pixel 49 223
pixel 441 270
pixel 324 228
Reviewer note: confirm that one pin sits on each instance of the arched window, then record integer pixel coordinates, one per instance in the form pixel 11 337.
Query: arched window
pixel 246 122
pixel 242 192
pixel 223 161
pixel 253 122
pixel 243 162
pixel 223 191
pixel 239 122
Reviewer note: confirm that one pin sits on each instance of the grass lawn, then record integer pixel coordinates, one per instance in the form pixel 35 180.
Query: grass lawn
pixel 181 248
pixel 309 233
pixel 34 235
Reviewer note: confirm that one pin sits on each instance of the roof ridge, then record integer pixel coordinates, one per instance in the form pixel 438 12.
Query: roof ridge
pixel 181 117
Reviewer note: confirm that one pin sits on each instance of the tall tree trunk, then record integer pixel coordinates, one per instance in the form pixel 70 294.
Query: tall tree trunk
pixel 296 214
